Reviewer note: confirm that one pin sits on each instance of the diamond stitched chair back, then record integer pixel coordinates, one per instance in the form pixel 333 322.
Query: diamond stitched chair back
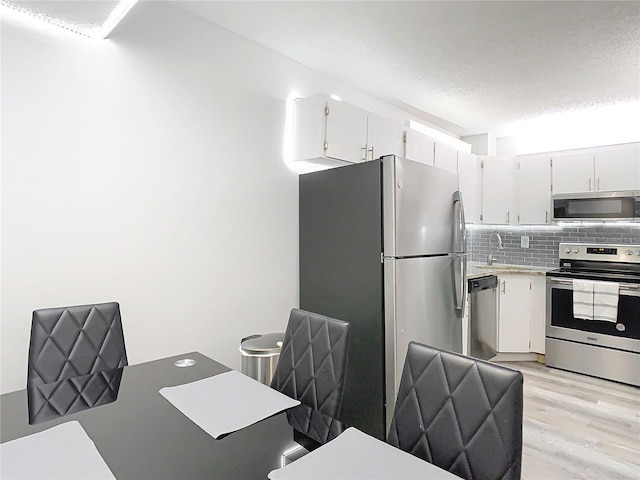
pixel 73 341
pixel 459 413
pixel 313 361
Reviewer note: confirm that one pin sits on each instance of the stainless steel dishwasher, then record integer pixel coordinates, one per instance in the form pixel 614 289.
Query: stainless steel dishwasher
pixel 483 317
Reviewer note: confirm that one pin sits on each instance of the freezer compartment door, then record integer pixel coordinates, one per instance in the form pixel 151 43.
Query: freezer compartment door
pixel 425 306
pixel 422 209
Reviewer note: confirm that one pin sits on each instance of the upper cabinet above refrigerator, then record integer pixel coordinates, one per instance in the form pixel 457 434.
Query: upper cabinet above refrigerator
pixel 334 133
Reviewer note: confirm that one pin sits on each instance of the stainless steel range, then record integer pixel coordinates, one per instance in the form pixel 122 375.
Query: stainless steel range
pixel 593 311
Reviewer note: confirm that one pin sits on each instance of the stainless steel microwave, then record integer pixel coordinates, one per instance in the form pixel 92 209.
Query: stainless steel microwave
pixel 600 207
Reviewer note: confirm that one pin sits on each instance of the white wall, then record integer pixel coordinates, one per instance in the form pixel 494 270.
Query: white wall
pixel 147 169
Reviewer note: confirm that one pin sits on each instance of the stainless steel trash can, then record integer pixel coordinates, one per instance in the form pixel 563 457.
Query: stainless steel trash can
pixel 260 354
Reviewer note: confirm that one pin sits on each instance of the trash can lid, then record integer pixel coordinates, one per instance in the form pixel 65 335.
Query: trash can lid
pixel 267 343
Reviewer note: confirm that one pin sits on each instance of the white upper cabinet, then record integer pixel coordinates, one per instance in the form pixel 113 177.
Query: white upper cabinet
pixel 617 168
pixel 573 173
pixel 445 157
pixel 498 191
pixel 384 137
pixel 324 128
pixel 602 170
pixel 346 131
pixel 419 147
pixel 534 190
pixel 469 178
pixel 333 132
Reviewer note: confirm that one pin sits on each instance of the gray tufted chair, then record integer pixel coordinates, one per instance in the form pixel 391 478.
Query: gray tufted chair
pixel 313 361
pixel 74 341
pixel 459 413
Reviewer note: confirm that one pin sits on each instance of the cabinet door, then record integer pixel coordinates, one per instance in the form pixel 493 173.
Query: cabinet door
pixel 309 124
pixel 538 311
pixel 497 191
pixel 346 132
pixel 445 157
pixel 469 178
pixel 384 137
pixel 419 147
pixel 534 190
pixel 573 173
pixel 513 320
pixel 618 169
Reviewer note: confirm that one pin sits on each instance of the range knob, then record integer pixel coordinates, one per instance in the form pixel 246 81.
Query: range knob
pixel 568 250
pixel 638 253
pixel 576 250
pixel 629 252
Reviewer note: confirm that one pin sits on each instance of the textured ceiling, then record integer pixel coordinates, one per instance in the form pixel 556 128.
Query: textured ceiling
pixel 472 67
pixel 469 67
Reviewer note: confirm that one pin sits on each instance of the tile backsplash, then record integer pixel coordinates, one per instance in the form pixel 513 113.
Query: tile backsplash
pixel 543 241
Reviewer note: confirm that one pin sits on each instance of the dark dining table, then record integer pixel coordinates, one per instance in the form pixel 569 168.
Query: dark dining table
pixel 141 435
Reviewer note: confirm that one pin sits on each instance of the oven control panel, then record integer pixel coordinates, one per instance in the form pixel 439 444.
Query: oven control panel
pixel 600 252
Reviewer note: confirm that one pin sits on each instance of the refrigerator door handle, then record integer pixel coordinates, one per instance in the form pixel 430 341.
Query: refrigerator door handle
pixel 460 237
pixel 461 285
pixel 460 246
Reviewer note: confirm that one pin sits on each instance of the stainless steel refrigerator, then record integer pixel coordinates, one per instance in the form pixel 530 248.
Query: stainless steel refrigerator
pixel 382 246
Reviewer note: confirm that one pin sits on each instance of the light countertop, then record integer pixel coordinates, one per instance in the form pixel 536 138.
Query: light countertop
pixel 480 269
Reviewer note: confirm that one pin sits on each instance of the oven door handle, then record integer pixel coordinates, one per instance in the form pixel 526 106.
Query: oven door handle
pixel 623 286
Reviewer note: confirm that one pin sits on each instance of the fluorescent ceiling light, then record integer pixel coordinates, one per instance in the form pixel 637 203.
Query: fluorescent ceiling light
pixel 440 136
pixel 93 19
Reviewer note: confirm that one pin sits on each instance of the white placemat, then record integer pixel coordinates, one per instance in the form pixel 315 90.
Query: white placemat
pixel 354 455
pixel 61 452
pixel 226 402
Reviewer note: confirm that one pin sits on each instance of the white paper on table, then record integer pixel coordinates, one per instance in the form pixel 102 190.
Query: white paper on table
pixel 354 455
pixel 226 402
pixel 61 452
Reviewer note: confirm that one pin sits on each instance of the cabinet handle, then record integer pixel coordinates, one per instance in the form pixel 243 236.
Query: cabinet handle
pixel 371 151
pixel 598 184
pixel 364 153
pixel 504 286
pixel 507 217
pixel 546 216
pixel 589 184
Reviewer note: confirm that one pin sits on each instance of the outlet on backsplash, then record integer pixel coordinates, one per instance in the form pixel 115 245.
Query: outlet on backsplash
pixel 524 241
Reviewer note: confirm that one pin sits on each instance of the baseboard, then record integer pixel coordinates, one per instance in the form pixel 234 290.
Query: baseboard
pixel 515 357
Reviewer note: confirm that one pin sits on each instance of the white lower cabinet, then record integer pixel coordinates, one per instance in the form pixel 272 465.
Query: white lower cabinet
pixel 537 322
pixel 513 313
pixel 521 310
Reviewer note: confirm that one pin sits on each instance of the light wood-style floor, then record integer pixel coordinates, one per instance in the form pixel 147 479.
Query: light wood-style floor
pixel 578 427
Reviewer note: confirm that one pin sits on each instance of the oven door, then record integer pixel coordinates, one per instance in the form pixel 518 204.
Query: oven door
pixel 561 324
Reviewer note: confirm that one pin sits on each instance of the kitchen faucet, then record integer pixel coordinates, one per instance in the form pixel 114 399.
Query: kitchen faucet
pixel 490 258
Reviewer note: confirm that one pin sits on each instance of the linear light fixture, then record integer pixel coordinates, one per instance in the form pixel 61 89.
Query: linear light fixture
pixel 89 19
pixel 555 226
pixel 440 136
